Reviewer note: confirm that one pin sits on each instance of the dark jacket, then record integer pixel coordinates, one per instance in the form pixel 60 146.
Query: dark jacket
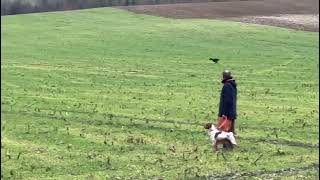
pixel 228 99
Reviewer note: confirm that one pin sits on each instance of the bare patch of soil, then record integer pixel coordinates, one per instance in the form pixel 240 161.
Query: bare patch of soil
pixel 306 22
pixel 294 14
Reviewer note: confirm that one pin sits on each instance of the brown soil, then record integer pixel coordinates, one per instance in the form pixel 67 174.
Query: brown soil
pixel 294 14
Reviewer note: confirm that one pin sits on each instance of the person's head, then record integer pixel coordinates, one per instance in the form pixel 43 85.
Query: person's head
pixel 226 74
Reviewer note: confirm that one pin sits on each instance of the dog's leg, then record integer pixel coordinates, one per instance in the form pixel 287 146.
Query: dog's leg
pixel 231 146
pixel 215 147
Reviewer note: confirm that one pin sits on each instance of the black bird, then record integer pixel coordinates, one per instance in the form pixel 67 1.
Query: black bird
pixel 215 60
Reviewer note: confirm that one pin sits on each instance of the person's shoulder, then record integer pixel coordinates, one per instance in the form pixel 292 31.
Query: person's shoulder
pixel 231 83
pixel 227 85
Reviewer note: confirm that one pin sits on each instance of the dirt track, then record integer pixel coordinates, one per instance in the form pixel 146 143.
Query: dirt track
pixel 294 14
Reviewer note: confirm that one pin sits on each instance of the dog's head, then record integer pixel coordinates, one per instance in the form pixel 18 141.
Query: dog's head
pixel 208 125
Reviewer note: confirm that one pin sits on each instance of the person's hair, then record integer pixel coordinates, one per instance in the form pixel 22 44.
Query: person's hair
pixel 226 74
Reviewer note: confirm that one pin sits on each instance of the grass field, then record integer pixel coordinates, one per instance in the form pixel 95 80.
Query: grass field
pixel 108 94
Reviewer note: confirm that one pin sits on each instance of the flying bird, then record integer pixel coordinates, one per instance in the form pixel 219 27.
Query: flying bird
pixel 215 60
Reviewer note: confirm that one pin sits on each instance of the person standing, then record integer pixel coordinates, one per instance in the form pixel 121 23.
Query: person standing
pixel 228 101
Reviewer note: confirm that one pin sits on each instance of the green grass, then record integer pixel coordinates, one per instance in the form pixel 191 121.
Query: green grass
pixel 104 94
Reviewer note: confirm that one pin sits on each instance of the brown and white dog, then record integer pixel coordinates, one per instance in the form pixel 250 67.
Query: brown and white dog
pixel 220 137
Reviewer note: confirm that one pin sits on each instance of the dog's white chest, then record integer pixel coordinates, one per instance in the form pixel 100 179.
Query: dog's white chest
pixel 212 135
